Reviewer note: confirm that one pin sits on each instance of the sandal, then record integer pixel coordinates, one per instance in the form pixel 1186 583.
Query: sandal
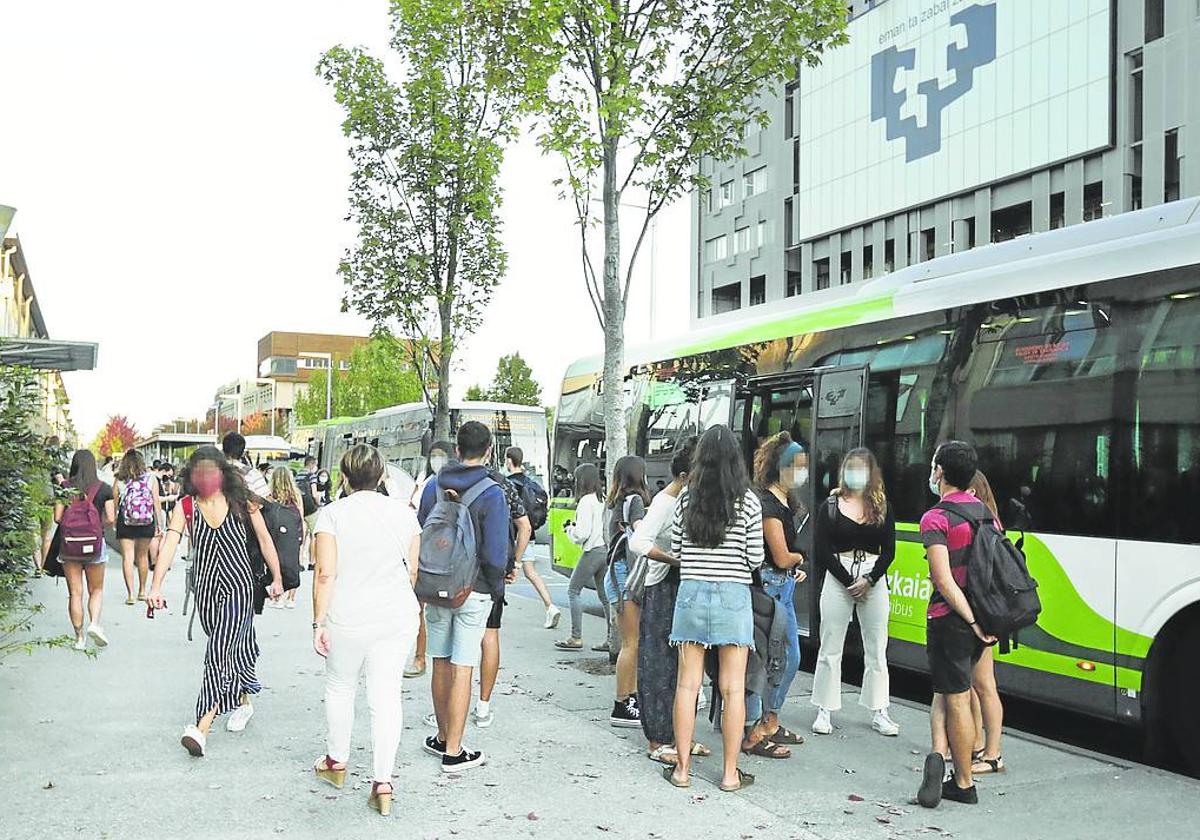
pixel 985 766
pixel 668 773
pixel 783 735
pixel 767 748
pixel 744 780
pixel 666 754
pixel 700 751
pixel 569 644
pixel 415 670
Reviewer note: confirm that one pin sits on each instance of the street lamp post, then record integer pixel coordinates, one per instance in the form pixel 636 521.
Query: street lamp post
pixel 328 380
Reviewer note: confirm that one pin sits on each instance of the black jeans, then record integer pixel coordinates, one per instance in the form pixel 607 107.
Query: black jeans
pixel 658 661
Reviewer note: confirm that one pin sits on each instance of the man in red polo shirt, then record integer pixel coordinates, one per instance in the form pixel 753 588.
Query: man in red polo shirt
pixel 954 641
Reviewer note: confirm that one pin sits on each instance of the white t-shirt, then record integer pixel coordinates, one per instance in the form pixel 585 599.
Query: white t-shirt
pixel 373 534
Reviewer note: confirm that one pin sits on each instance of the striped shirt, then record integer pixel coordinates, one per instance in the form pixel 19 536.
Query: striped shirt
pixel 740 552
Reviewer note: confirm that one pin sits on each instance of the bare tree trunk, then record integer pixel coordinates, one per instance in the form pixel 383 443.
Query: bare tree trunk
pixel 441 414
pixel 615 436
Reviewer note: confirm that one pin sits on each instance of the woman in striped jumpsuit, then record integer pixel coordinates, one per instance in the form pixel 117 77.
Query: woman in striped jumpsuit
pixel 220 514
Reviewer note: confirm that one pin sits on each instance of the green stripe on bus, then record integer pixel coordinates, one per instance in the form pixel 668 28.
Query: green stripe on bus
pixel 829 318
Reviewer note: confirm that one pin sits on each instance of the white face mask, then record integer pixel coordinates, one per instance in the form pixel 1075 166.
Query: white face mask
pixel 800 477
pixel 934 485
pixel 436 463
pixel 856 478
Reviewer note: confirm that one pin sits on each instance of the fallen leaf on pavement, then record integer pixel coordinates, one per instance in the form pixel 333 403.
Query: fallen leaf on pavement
pixel 884 820
pixel 48 786
pixel 531 816
pixel 854 797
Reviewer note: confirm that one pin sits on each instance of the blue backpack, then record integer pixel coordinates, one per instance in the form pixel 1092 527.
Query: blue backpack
pixel 448 564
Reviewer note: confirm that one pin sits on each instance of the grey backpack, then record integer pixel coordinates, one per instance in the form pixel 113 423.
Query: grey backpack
pixel 448 565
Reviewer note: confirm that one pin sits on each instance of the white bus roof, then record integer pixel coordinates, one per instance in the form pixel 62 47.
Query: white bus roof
pixel 1153 239
pixel 458 405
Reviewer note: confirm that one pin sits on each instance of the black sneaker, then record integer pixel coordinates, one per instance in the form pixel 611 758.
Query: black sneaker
pixel 435 747
pixel 626 713
pixel 951 791
pixel 465 760
pixel 930 794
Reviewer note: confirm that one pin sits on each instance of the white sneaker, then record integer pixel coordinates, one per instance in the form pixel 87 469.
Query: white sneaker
pixel 701 701
pixel 553 614
pixel 97 634
pixel 193 740
pixel 275 605
pixel 884 725
pixel 822 725
pixel 240 717
pixel 430 720
pixel 291 605
pixel 483 721
pixel 80 643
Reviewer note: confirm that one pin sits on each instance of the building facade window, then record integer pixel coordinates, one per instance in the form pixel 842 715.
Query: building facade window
pixel 1135 179
pixel 725 197
pixel 1011 222
pixel 758 290
pixel 741 238
pixel 889 256
pixel 929 243
pixel 1058 210
pixel 789 227
pixel 868 262
pixel 1136 98
pixel 795 282
pixel 727 298
pixel 1154 20
pixel 754 182
pixel 821 273
pixel 846 268
pixel 760 234
pixel 716 248
pixel 1171 165
pixel 1093 201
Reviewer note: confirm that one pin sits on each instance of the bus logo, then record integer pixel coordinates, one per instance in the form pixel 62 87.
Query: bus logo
pixel 888 104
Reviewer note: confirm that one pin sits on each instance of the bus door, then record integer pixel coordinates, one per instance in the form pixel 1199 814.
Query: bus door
pixel 823 410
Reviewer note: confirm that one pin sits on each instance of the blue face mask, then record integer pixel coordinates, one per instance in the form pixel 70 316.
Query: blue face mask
pixel 856 478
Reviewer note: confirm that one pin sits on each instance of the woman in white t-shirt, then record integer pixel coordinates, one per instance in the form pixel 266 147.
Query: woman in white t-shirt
pixel 365 614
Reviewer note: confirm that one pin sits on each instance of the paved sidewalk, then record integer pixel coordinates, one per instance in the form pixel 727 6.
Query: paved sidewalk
pixel 89 748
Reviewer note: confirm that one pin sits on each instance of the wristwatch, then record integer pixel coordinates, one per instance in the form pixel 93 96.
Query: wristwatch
pixel 317 625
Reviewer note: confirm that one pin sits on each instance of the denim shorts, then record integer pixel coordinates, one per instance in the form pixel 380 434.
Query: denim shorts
pixel 713 614
pixel 621 569
pixel 457 634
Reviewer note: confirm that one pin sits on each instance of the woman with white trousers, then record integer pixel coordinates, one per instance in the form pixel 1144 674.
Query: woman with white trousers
pixel 854 541
pixel 365 615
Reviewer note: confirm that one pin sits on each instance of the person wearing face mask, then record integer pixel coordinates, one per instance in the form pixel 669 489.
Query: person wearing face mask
pixel 225 582
pixel 324 488
pixel 780 469
pixel 855 541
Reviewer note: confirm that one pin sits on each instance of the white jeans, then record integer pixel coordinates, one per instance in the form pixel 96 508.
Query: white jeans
pixel 382 654
pixel 836 609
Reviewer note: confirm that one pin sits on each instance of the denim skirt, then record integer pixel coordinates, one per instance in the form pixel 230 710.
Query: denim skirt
pixel 713 614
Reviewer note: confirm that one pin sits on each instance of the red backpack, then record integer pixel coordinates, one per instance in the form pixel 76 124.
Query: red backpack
pixel 82 532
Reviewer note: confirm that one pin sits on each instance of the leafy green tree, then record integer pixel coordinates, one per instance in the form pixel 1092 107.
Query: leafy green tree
pixel 647 89
pixel 514 382
pixel 25 464
pixel 425 153
pixel 476 394
pixel 380 375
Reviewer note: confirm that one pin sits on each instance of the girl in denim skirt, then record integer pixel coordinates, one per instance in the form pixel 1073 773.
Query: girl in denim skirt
pixel 717 535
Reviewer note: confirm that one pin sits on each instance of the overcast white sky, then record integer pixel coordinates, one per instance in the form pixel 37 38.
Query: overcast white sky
pixel 180 176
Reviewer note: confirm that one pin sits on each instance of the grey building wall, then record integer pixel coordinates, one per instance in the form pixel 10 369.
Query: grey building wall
pixel 1132 174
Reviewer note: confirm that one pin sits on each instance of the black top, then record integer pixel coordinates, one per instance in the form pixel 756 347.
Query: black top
pixel 772 508
pixel 837 533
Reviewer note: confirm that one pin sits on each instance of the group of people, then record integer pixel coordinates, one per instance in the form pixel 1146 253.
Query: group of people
pixel 698 578
pixel 716 556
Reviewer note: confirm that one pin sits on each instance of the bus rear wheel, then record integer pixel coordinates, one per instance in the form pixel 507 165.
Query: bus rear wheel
pixel 1174 724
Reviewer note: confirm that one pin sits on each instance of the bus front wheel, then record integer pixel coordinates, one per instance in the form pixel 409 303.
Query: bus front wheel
pixel 1173 727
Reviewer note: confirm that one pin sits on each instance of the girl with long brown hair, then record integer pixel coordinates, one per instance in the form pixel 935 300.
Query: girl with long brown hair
pixel 854 542
pixel 137 506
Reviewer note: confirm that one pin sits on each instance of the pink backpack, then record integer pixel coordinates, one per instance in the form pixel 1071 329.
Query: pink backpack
pixel 137 502
pixel 82 532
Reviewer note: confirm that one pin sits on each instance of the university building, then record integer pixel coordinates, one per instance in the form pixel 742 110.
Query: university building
pixel 946 125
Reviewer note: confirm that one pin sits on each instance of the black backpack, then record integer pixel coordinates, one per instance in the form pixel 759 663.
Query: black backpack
pixel 534 498
pixel 1001 592
pixel 305 480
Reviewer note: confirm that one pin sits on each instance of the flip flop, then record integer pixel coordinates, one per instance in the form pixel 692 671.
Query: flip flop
pixel 668 773
pixel 783 735
pixel 666 754
pixel 699 750
pixel 767 748
pixel 744 781
pixel 569 644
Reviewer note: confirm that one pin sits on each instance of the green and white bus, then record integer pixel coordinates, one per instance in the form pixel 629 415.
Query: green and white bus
pixel 1070 359
pixel 403 434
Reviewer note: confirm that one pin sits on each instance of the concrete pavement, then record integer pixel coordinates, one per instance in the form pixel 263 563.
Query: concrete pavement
pixel 89 748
